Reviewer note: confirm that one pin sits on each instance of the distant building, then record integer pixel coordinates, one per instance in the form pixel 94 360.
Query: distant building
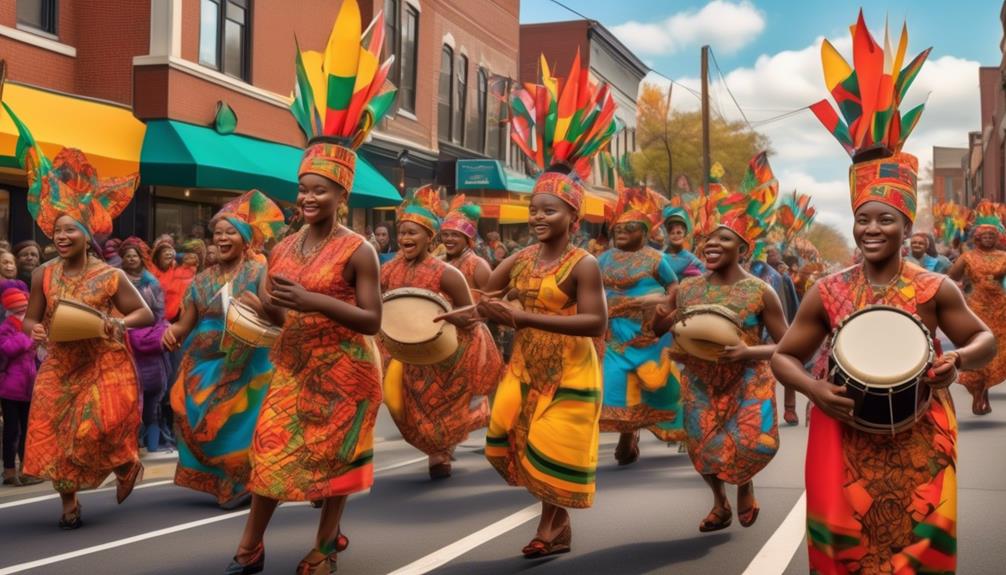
pixel 948 174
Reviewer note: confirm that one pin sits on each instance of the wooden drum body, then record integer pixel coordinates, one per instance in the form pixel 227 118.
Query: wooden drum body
pixel 244 325
pixel 704 330
pixel 408 331
pixel 74 321
pixel 880 354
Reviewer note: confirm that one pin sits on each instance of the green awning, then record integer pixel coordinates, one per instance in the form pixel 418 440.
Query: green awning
pixel 185 155
pixel 490 175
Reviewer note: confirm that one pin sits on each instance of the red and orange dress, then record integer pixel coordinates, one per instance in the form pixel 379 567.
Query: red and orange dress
pixel 467 264
pixel 436 406
pixel 878 503
pixel 314 438
pixel 85 419
pixel 985 270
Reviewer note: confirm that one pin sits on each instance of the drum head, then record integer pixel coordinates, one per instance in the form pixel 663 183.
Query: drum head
pixel 882 347
pixel 408 318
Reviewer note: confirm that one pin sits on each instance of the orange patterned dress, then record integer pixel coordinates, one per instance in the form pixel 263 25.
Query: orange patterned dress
pixel 987 299
pixel 85 416
pixel 467 265
pixel 315 435
pixel 436 406
pixel 877 503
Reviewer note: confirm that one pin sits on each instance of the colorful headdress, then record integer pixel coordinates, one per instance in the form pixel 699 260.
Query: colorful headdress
pixel 463 217
pixel 987 216
pixel 560 125
pixel 677 214
pixel 423 208
pixel 794 215
pixel 874 131
pixel 341 95
pixel 257 218
pixel 637 205
pixel 751 212
pixel 742 224
pixel 950 221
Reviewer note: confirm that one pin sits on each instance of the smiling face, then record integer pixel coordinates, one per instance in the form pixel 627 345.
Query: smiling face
pixel 879 231
pixel 549 217
pixel 69 239
pixel 918 245
pixel 318 198
pixel 722 249
pixel 28 259
pixel 8 265
pixel 413 240
pixel 131 261
pixel 165 258
pixel 228 241
pixel 454 242
pixel 676 234
pixel 987 239
pixel 629 236
pixel 383 237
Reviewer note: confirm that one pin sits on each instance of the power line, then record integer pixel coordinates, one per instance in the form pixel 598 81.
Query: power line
pixel 570 9
pixel 723 79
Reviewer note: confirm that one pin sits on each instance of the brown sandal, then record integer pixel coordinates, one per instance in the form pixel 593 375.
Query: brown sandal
pixel 719 518
pixel 627 451
pixel 789 415
pixel 539 548
pixel 748 516
pixel 323 566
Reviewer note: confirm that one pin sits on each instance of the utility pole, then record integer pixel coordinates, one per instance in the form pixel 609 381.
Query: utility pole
pixel 705 120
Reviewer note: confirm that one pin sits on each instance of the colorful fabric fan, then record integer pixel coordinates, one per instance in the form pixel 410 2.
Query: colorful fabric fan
pixel 341 94
pixel 560 125
pixel 950 221
pixel 423 208
pixel 869 95
pixel 637 205
pixel 257 218
pixel 793 216
pixel 462 217
pixel 987 216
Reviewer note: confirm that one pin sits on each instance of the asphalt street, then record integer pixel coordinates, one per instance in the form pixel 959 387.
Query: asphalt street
pixel 645 519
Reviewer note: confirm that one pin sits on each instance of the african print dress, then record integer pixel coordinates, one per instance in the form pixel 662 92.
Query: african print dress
pixel 685 264
pixel 315 434
pixel 543 433
pixel 729 407
pixel 467 265
pixel 220 387
pixel 641 383
pixel 878 503
pixel 85 417
pixel 988 300
pixel 436 406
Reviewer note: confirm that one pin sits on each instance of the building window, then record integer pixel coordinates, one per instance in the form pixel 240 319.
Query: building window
pixel 460 103
pixel 223 36
pixel 401 34
pixel 392 29
pixel 39 14
pixel 445 94
pixel 481 118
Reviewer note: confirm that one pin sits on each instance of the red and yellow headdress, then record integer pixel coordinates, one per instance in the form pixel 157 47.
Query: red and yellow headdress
pixel 750 212
pixel 637 205
pixel 987 216
pixel 462 217
pixel 423 208
pixel 257 218
pixel 950 221
pixel 560 125
pixel 869 96
pixel 341 95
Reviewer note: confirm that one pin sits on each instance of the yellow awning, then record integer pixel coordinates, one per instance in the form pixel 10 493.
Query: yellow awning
pixel 109 134
pixel 513 214
pixel 593 207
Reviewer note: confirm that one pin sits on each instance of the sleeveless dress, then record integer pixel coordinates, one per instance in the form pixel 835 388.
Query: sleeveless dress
pixel 467 265
pixel 543 433
pixel 315 434
pixel 729 407
pixel 641 383
pixel 85 416
pixel 988 300
pixel 877 503
pixel 436 406
pixel 220 387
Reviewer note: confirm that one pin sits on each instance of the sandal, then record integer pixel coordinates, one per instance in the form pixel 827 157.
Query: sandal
pixel 323 566
pixel 627 451
pixel 789 415
pixel 719 518
pixel 539 548
pixel 748 516
pixel 127 483
pixel 71 521
pixel 255 565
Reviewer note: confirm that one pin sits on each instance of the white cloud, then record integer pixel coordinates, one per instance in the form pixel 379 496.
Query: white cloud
pixel 727 26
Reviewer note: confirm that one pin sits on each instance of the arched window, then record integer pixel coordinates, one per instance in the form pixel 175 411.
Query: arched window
pixel 445 94
pixel 460 102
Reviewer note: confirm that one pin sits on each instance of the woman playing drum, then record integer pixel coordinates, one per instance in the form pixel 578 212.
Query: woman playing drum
pixel 221 381
pixel 436 406
pixel 880 503
pixel 641 384
pixel 985 267
pixel 729 403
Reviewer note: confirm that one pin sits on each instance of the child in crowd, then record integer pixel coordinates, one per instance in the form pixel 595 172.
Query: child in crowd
pixel 16 381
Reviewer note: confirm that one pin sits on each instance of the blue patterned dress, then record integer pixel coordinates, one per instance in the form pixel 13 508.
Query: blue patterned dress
pixel 685 264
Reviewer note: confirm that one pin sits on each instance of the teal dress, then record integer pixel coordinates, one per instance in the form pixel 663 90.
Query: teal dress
pixel 641 383
pixel 219 391
pixel 685 264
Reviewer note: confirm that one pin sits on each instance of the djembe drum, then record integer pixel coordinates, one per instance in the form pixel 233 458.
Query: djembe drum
pixel 408 330
pixel 704 330
pixel 75 321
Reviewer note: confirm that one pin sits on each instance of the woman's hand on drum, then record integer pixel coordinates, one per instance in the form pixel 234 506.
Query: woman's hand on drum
pixel 655 301
pixel 828 397
pixel 943 372
pixel 115 328
pixel 498 311
pixel 290 294
pixel 38 334
pixel 251 300
pixel 737 352
pixel 464 318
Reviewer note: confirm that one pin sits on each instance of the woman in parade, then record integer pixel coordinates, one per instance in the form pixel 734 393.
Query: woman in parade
pixel 679 228
pixel 879 502
pixel 221 380
pixel 543 432
pixel 384 234
pixel 458 233
pixel 985 268
pixel 315 435
pixel 86 413
pixel 641 385
pixel 922 252
pixel 436 406
pixel 729 404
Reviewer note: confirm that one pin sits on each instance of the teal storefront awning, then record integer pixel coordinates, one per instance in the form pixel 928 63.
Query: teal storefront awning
pixel 190 156
pixel 490 175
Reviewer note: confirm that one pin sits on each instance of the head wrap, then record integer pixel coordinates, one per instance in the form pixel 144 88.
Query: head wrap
pixel 14 299
pixel 141 247
pixel 463 217
pixel 677 214
pixel 341 95
pixel 987 217
pixel 560 125
pixel 423 208
pixel 257 218
pixel 874 130
pixel 637 205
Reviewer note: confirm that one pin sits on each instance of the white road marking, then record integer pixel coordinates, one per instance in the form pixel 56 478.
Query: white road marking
pixel 160 532
pixel 444 555
pixel 778 551
pixel 21 502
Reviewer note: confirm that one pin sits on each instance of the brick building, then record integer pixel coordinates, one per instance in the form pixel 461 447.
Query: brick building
pixel 948 174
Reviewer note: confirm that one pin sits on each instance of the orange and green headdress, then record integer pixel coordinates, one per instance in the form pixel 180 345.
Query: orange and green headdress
pixel 422 207
pixel 874 130
pixel 463 217
pixel 987 216
pixel 341 94
pixel 560 125
pixel 637 205
pixel 257 218
pixel 750 212
pixel 950 221
pixel 794 215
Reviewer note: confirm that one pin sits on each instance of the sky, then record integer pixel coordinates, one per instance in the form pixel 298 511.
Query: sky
pixel 769 54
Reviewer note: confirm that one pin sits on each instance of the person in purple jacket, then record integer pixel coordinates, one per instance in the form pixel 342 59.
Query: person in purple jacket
pixel 16 381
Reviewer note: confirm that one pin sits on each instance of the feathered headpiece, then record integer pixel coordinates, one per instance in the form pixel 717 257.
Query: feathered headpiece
pixel 794 215
pixel 950 221
pixel 987 216
pixel 257 218
pixel 560 125
pixel 341 95
pixel 423 208
pixel 462 217
pixel 869 96
pixel 751 212
pixel 637 205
